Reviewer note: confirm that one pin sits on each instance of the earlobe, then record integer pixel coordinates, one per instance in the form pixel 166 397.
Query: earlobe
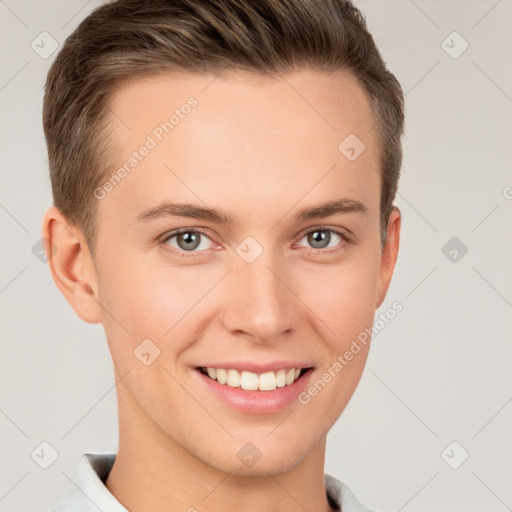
pixel 389 254
pixel 71 265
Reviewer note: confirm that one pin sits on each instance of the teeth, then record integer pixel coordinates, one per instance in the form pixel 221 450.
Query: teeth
pixel 248 381
pixel 252 381
pixel 221 376
pixel 233 379
pixel 281 378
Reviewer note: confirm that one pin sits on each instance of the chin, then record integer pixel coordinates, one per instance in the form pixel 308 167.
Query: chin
pixel 251 461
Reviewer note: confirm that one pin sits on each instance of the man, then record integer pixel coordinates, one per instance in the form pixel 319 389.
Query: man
pixel 223 176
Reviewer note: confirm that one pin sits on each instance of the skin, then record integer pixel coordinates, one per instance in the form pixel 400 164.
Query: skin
pixel 260 149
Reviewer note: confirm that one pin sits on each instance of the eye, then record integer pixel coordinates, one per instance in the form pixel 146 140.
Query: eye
pixel 187 242
pixel 184 241
pixel 322 238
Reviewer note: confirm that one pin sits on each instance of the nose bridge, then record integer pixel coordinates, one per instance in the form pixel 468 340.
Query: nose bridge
pixel 261 304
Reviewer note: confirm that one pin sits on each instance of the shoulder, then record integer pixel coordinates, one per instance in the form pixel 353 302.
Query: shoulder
pixel 88 492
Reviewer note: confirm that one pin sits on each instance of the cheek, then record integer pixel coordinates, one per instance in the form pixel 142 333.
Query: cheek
pixel 156 302
pixel 343 296
pixel 345 303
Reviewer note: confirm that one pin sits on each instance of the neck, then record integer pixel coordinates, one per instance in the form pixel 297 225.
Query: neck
pixel 153 472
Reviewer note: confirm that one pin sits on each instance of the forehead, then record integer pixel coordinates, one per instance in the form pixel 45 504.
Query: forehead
pixel 247 137
pixel 331 101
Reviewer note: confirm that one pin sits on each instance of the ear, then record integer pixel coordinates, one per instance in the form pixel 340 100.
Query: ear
pixel 71 265
pixel 389 254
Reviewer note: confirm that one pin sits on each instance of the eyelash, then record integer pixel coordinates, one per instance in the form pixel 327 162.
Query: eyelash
pixel 187 254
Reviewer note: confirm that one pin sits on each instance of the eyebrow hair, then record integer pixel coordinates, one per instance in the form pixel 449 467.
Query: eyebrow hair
pixel 320 211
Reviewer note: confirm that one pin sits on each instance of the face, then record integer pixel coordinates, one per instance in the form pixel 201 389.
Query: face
pixel 259 281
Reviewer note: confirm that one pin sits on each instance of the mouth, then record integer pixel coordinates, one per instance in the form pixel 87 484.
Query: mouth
pixel 255 393
pixel 252 381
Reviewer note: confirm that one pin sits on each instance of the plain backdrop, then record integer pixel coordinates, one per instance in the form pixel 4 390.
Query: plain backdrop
pixel 429 425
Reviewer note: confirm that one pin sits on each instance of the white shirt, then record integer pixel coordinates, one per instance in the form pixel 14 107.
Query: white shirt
pixel 89 494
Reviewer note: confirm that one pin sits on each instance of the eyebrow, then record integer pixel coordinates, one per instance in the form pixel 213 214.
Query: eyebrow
pixel 320 211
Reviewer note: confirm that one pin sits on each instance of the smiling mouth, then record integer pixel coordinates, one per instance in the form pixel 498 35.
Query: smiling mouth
pixel 251 381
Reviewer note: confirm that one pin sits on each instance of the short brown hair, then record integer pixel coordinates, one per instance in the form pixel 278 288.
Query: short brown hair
pixel 129 39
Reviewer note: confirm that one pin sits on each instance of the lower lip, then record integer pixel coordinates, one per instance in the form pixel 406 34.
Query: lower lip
pixel 257 402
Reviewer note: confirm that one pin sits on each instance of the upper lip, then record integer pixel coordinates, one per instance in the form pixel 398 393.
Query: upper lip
pixel 251 366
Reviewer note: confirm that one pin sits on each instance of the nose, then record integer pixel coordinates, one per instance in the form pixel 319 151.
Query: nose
pixel 261 305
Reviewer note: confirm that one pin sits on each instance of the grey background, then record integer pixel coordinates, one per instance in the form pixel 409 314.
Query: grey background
pixel 439 372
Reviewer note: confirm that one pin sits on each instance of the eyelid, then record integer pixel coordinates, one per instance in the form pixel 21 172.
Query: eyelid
pixel 170 234
pixel 343 232
pixel 174 232
pixel 342 245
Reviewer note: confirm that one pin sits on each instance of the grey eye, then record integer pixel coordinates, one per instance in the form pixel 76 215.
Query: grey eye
pixel 186 241
pixel 321 238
